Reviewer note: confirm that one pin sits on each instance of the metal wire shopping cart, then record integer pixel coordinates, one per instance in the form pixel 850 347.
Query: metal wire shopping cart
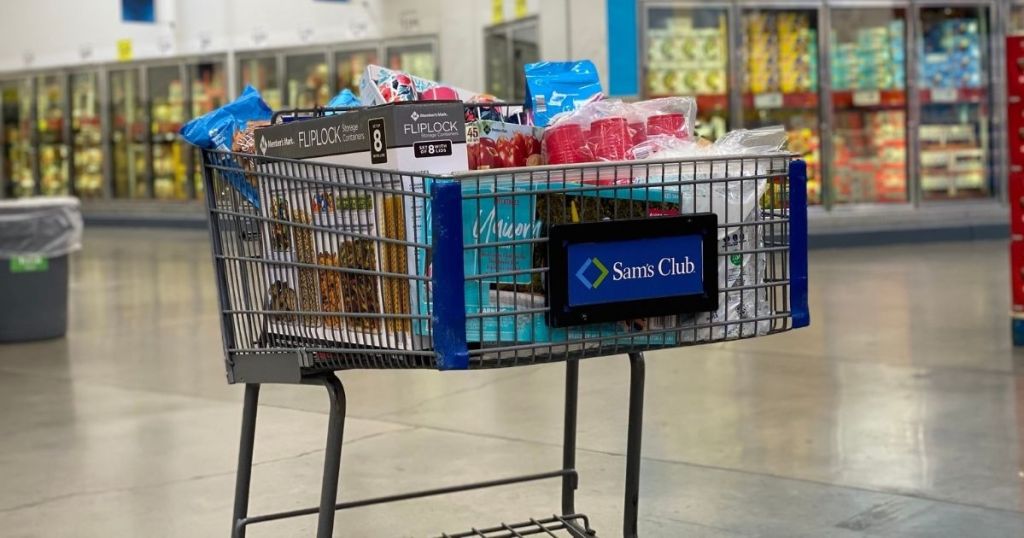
pixel 334 268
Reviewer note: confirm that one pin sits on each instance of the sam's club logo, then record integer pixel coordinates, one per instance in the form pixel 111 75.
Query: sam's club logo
pixel 592 273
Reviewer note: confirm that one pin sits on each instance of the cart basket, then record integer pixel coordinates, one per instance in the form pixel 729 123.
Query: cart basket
pixel 340 267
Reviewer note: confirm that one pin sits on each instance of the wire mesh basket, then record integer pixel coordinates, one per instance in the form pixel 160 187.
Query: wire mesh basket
pixel 328 267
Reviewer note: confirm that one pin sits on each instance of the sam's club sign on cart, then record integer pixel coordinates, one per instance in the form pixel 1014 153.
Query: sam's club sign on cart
pixel 608 271
pixel 636 269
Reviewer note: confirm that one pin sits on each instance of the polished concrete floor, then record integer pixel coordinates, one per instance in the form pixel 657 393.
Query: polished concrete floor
pixel 900 412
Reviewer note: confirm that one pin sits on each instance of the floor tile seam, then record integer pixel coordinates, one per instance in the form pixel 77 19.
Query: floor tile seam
pixel 855 360
pixel 527 372
pixel 194 478
pixel 852 487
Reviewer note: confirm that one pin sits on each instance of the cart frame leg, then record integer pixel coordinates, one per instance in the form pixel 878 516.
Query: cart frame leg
pixel 332 456
pixel 633 437
pixel 570 481
pixel 246 445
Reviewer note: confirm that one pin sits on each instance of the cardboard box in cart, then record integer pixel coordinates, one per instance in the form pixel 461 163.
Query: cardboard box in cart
pixel 412 137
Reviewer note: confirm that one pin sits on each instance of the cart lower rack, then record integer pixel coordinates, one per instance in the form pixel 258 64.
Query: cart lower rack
pixel 322 268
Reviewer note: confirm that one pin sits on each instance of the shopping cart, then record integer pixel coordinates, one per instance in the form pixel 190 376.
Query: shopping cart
pixel 336 267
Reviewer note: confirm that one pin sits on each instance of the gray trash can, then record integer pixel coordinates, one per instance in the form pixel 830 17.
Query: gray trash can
pixel 36 236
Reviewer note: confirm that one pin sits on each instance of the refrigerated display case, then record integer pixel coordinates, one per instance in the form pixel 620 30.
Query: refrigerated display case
pixel 261 72
pixel 686 52
pixel 1016 22
pixel 209 91
pixel 86 135
pixel 51 113
pixel 128 135
pixel 307 83
pixel 167 162
pixel 867 54
pixel 955 102
pixel 508 48
pixel 18 142
pixel 414 56
pixel 349 65
pixel 780 80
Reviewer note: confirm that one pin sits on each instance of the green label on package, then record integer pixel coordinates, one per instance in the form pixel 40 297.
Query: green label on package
pixel 29 264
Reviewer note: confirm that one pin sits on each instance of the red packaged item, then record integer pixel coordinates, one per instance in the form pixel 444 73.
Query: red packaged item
pixel 566 144
pixel 1017 274
pixel 612 138
pixel 1016 200
pixel 667 124
pixel 637 132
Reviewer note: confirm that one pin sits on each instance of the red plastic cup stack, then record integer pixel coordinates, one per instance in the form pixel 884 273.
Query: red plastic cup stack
pixel 667 124
pixel 611 137
pixel 566 144
pixel 637 133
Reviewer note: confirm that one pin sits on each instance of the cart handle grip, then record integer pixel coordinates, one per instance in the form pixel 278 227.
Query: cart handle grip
pixel 798 243
pixel 447 276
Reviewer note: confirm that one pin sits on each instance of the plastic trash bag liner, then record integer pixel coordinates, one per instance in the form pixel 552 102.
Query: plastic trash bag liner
pixel 48 227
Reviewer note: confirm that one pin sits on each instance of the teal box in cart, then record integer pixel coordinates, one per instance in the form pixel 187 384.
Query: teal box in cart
pixel 503 301
pixel 498 275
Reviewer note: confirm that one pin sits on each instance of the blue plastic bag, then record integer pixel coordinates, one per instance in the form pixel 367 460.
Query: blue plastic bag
pixel 556 87
pixel 216 129
pixel 344 99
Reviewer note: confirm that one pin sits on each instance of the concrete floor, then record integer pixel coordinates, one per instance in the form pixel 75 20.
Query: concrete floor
pixel 898 413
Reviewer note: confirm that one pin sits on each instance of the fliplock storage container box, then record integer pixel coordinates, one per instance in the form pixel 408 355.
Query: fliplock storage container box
pixel 375 277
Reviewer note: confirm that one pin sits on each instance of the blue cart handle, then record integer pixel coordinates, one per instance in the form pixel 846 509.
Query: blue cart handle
pixel 448 276
pixel 798 243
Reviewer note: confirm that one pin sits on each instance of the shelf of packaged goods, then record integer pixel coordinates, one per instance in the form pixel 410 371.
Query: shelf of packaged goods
pixel 780 100
pixel 86 122
pixel 869 99
pixel 707 101
pixel 954 96
pixel 712 102
pixel 51 138
pixel 165 138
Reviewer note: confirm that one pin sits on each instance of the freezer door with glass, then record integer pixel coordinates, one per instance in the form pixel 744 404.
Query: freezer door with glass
pixel 261 73
pixel 209 81
pixel 128 132
pixel 306 81
pixel 18 141
pixel 867 53
pixel 686 52
pixel 350 65
pixel 86 134
pixel 780 81
pixel 167 113
pixel 955 115
pixel 418 59
pixel 51 113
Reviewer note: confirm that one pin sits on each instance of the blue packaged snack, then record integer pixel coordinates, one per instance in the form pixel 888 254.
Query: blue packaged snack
pixel 344 99
pixel 556 87
pixel 216 130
